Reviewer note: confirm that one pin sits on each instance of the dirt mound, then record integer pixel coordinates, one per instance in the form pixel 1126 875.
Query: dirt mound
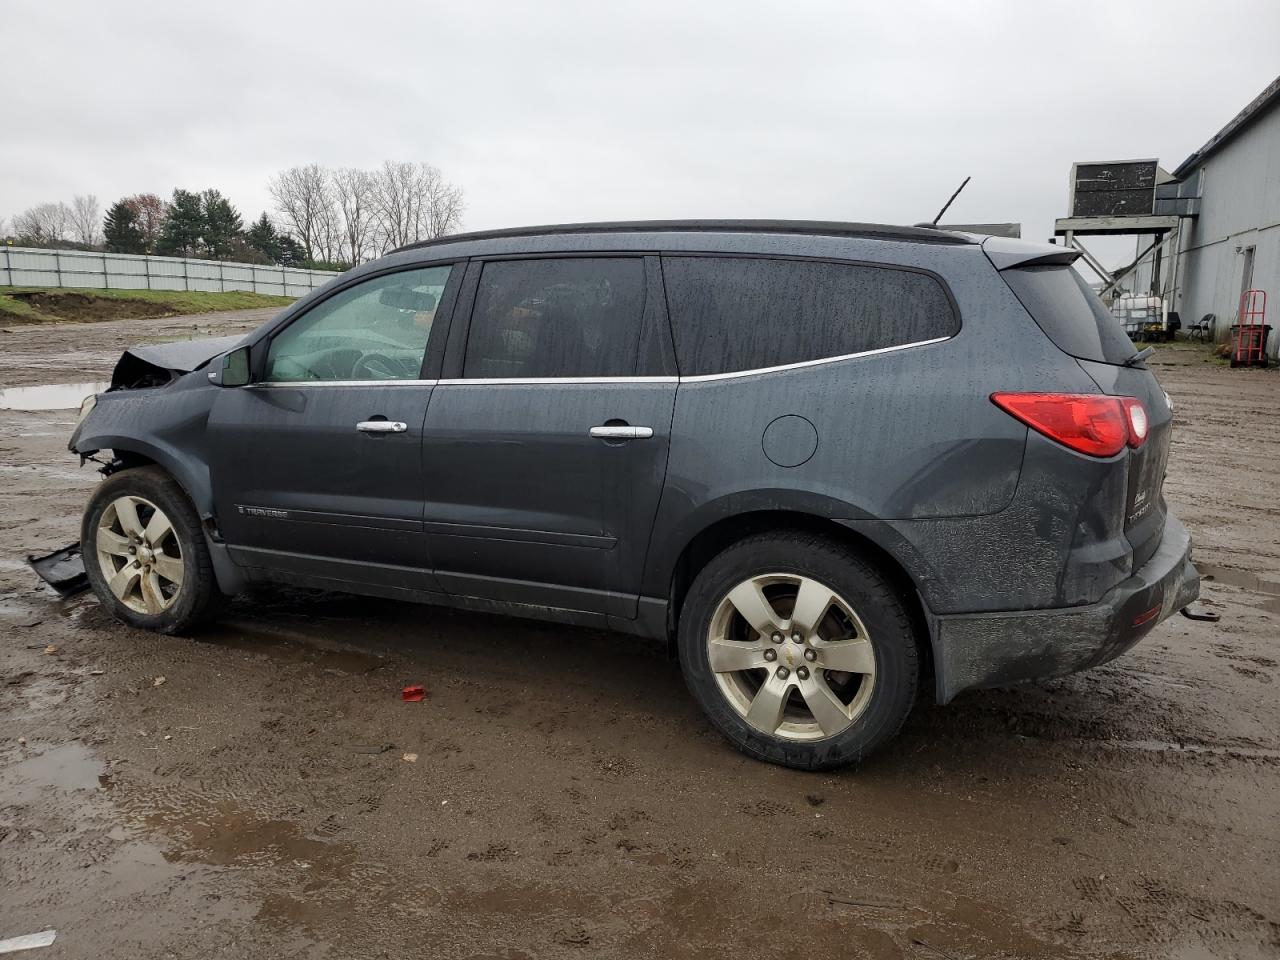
pixel 85 307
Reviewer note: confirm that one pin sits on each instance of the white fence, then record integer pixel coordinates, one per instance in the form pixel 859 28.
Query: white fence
pixel 30 267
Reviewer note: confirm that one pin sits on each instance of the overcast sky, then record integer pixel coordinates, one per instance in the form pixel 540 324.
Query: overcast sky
pixel 547 112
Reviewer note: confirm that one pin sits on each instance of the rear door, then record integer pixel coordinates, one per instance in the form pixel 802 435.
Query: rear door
pixel 545 450
pixel 317 465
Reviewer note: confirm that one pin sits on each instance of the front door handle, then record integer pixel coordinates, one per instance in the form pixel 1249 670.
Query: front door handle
pixel 622 433
pixel 381 426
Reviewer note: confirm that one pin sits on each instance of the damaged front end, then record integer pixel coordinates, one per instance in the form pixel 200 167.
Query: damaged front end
pixel 153 412
pixel 156 364
pixel 147 367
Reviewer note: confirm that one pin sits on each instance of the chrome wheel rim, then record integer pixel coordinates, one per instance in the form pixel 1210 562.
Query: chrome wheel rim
pixel 139 555
pixel 791 656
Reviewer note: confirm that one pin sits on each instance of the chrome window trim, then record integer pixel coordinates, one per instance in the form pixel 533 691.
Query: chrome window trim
pixel 706 377
pixel 531 381
pixel 344 383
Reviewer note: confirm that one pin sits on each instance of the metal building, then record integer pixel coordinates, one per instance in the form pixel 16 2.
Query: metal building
pixel 1231 242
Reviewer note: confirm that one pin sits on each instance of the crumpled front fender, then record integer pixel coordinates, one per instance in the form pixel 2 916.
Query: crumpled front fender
pixel 165 425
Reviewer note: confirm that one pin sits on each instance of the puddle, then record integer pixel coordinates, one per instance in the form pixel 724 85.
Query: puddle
pixel 79 867
pixel 51 396
pixel 1239 578
pixel 70 772
pixel 1165 746
pixel 18 614
pixel 224 834
pixel 1235 577
pixel 68 767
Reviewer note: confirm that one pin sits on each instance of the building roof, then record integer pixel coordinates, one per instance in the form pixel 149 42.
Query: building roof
pixel 826 228
pixel 1256 108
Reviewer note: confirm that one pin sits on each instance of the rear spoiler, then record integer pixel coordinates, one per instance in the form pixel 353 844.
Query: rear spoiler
pixel 1005 254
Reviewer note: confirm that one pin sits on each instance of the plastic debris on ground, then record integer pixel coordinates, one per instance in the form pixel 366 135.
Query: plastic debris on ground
pixel 28 942
pixel 63 569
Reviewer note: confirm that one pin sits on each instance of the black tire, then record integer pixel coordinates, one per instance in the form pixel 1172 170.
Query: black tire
pixel 876 603
pixel 198 598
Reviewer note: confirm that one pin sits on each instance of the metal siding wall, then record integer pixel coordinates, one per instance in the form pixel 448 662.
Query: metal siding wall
pixel 1240 206
pixel 30 267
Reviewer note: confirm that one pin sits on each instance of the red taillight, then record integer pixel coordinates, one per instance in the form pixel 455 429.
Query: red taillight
pixel 1097 425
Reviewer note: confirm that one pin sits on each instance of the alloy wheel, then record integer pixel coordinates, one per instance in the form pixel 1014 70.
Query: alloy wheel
pixel 139 555
pixel 791 656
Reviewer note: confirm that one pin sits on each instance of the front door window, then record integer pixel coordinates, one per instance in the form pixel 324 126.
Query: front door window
pixel 376 330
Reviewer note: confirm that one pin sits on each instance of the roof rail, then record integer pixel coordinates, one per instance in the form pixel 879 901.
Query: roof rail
pixel 831 228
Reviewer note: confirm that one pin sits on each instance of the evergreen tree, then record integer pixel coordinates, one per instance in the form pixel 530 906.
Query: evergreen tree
pixel 183 226
pixel 291 252
pixel 222 224
pixel 262 237
pixel 121 230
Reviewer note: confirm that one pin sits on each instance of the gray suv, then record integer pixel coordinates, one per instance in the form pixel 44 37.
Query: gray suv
pixel 831 464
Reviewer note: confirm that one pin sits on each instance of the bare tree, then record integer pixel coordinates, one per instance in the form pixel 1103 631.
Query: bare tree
pixel 443 210
pixel 414 202
pixel 329 225
pixel 351 214
pixel 43 225
pixel 4 228
pixel 86 220
pixel 394 192
pixel 354 191
pixel 304 198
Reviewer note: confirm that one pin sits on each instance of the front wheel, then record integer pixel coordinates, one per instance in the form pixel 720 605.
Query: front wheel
pixel 798 650
pixel 145 554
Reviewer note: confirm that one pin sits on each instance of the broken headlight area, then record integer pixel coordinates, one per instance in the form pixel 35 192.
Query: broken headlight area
pixel 156 364
pixel 86 407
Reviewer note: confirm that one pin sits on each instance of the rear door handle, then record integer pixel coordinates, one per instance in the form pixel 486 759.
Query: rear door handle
pixel 622 433
pixel 381 426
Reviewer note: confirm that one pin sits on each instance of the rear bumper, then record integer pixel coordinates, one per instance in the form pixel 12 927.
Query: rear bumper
pixel 993 649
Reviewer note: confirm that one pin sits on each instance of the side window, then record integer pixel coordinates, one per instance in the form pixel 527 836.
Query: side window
pixel 376 330
pixel 575 317
pixel 738 313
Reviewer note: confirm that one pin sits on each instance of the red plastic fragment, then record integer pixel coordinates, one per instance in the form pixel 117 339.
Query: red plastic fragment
pixel 413 694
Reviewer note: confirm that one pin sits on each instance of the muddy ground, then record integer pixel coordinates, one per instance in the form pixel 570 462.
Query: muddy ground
pixel 247 793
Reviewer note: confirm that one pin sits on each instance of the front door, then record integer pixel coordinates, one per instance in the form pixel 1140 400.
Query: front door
pixel 317 466
pixel 543 461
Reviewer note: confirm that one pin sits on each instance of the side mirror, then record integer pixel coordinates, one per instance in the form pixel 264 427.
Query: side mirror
pixel 232 369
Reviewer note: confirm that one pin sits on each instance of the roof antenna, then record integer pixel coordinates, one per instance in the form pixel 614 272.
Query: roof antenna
pixel 934 221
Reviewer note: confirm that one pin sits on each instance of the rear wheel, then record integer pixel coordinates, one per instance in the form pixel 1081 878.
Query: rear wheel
pixel 799 651
pixel 145 554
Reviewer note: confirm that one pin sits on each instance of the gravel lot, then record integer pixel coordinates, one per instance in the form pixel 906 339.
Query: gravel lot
pixel 248 793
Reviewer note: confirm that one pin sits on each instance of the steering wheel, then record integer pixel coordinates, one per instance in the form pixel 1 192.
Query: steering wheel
pixel 378 366
pixel 334 365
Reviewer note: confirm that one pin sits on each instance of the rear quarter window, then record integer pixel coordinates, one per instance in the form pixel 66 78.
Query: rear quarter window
pixel 1069 313
pixel 731 314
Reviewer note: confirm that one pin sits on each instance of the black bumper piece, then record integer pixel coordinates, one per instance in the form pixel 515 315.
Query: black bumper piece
pixel 993 649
